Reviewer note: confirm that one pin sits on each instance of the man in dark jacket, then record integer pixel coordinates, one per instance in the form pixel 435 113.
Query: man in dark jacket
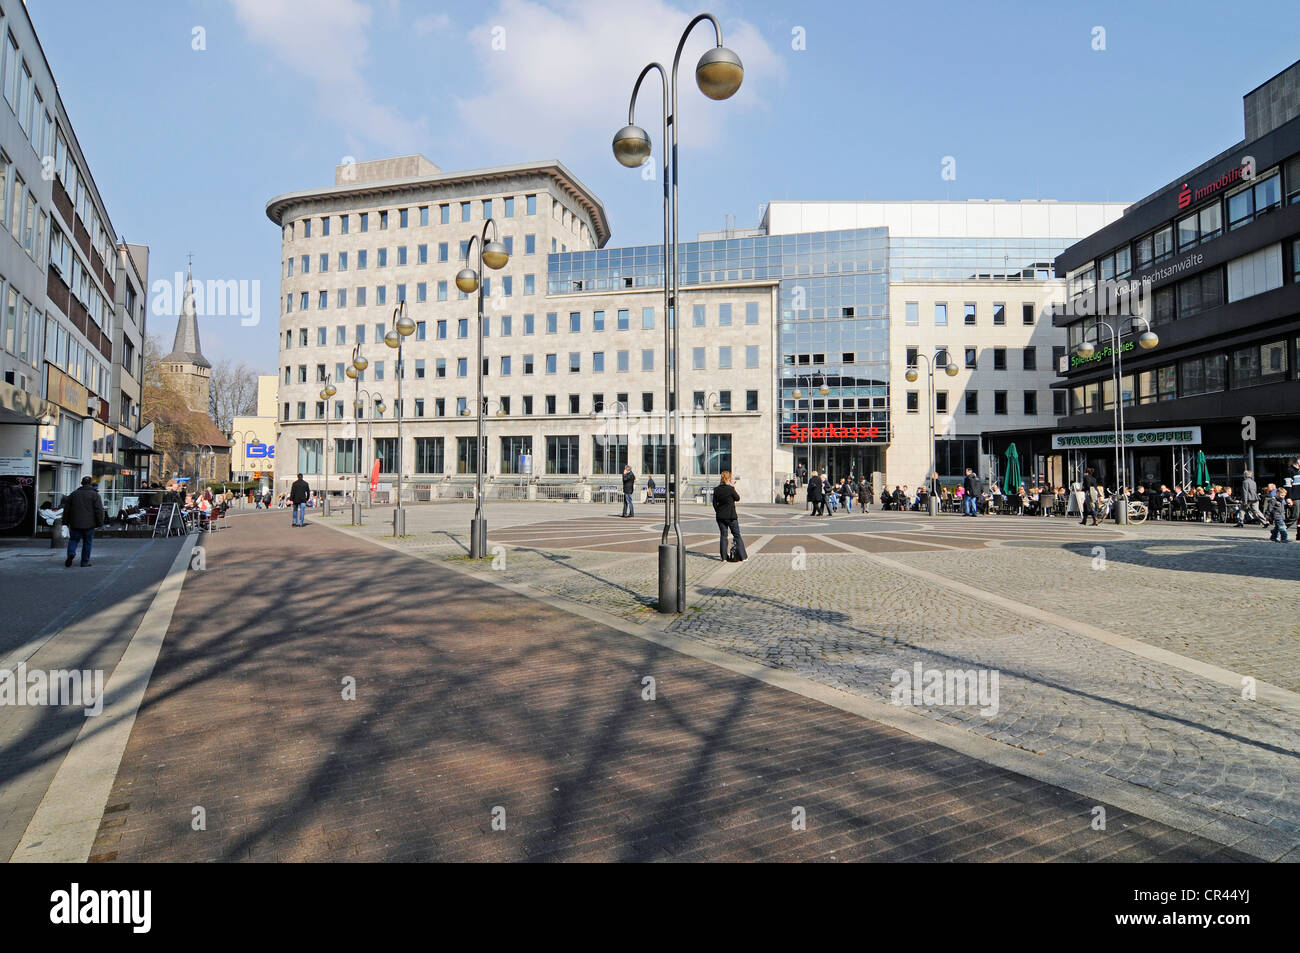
pixel 629 487
pixel 816 494
pixel 725 499
pixel 971 487
pixel 298 495
pixel 83 513
pixel 1249 499
pixel 1089 497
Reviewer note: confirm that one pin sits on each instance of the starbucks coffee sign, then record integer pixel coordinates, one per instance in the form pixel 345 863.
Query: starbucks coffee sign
pixel 1168 437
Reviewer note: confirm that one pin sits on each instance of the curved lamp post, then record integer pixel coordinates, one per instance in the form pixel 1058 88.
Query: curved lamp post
pixel 618 407
pixel 353 372
pixel 377 407
pixel 797 394
pixel 468 280
pixel 403 327
pixel 1085 351
pixel 326 392
pixel 718 74
pixel 240 438
pixel 951 370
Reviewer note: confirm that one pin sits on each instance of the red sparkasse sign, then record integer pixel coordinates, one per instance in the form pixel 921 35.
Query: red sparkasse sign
pixel 832 432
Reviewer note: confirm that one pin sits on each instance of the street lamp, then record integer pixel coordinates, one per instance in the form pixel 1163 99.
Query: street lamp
pixel 493 254
pixel 1086 351
pixel 377 407
pixel 403 327
pixel 240 437
pixel 797 394
pixel 326 393
pixel 951 370
pixel 718 74
pixel 619 407
pixel 353 371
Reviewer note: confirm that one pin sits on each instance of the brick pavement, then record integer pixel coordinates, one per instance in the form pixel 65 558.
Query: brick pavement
pixel 471 697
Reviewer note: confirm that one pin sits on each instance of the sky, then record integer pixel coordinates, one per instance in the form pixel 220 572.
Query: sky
pixel 193 114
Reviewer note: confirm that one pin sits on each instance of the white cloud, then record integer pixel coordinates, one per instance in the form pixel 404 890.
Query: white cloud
pixel 560 85
pixel 432 23
pixel 325 41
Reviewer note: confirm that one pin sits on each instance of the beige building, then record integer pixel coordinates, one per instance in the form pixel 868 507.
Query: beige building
pixel 573 367
pixel 253 439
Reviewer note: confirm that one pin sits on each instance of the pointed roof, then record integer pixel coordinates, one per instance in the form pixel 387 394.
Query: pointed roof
pixel 185 349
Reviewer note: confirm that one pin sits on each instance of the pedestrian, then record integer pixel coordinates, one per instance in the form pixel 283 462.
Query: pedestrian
pixel 1089 497
pixel 816 494
pixel 847 494
pixel 971 494
pixel 725 499
pixel 650 489
pixel 1276 513
pixel 629 487
pixel 299 493
pixel 1249 499
pixel 83 513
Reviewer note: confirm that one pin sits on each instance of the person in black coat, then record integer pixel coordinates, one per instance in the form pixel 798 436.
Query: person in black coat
pixel 299 493
pixel 864 495
pixel 817 494
pixel 725 499
pixel 629 487
pixel 972 488
pixel 1089 497
pixel 83 513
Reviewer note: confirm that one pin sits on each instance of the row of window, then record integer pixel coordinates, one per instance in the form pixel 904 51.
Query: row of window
pixel 1237 369
pixel 1260 271
pixel 1265 193
pixel 710 455
pixel 550 405
pixel 527 365
pixel 403 217
pixel 551 323
pixel 1028 357
pixel 401 256
pixel 970 314
pixel 971 404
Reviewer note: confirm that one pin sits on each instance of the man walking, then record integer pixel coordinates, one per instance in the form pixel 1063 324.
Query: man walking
pixel 971 486
pixel 629 487
pixel 816 494
pixel 83 513
pixel 298 495
pixel 1089 497
pixel 1249 499
pixel 725 499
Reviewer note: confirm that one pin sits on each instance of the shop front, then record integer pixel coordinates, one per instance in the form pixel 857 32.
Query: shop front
pixel 1147 457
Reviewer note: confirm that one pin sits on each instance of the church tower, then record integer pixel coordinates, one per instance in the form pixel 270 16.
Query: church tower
pixel 186 367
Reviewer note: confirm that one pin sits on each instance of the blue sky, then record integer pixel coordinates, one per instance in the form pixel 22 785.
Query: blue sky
pixel 187 144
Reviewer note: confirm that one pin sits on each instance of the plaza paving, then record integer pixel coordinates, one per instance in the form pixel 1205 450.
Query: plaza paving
pixel 516 683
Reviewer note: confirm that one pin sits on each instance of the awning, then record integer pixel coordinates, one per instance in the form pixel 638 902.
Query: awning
pixel 128 444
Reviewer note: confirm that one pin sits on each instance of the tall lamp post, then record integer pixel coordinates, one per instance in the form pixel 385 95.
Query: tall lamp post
pixel 353 372
pixel 797 394
pixel 326 392
pixel 493 254
pixel 403 327
pixel 951 370
pixel 377 407
pixel 619 406
pixel 1085 351
pixel 711 403
pixel 718 74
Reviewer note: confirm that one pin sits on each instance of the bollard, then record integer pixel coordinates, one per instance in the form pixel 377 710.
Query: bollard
pixel 56 535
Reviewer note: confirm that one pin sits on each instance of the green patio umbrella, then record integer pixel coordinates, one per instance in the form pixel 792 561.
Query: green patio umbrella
pixel 1011 483
pixel 1202 469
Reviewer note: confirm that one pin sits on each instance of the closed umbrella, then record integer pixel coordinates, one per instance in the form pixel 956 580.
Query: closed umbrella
pixel 1011 482
pixel 1202 469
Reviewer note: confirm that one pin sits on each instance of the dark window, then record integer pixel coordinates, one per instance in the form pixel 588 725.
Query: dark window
pixel 428 455
pixel 968 314
pixel 1259 364
pixel 647 402
pixel 999 359
pixel 1058 403
pixel 1031 359
pixel 1203 375
pixel 971 355
pixel 751 400
pixel 1000 402
pixel 972 402
pixel 1031 403
pixel 941 402
pixel 513 450
pixel 913 401
pixel 999 314
pixel 1027 313
pixel 1200 293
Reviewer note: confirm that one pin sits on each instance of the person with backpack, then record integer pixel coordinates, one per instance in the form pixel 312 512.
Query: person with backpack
pixel 83 513
pixel 298 496
pixel 725 499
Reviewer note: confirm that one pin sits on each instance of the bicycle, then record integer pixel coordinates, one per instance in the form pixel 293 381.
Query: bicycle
pixel 1137 511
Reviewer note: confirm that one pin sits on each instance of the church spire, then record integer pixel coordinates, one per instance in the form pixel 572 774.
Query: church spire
pixel 186 349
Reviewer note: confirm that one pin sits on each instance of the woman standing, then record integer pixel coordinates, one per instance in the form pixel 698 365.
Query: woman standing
pixel 725 499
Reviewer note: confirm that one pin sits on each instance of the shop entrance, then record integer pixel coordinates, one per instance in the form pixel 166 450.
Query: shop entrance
pixel 840 460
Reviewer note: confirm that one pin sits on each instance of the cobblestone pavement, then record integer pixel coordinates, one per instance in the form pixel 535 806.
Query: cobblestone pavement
pixel 487 725
pixel 845 612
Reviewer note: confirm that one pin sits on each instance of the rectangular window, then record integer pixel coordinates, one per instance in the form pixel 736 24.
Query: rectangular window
pixel 1031 359
pixel 464 211
pixel 550 363
pixel 598 320
pixel 647 359
pixel 972 361
pixel 724 315
pixel 724 358
pixel 751 355
pixel 364 221
pixel 1000 403
pixel 940 315
pixel 1027 315
pixel 429 455
pixel 465 462
pixel 444 214
pixel 999 314
pixel 913 402
pixel 361 259
pixel 509 203
pixel 648 318
pixel 623 361
pixel 1031 403
pixel 552 322
pixel 623 319
pixel 383 221
pixel 575 362
pixel 575 322
pixel 1259 364
pixel 972 402
pixel 999 359
pixel 968 314
pixel 751 312
pixel 562 455
pixel 1254 274
pixel 913 312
